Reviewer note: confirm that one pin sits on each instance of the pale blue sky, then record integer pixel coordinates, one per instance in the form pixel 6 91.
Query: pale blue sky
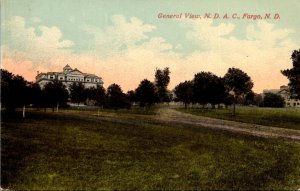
pixel 70 16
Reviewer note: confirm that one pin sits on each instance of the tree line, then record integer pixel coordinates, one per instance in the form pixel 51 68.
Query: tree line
pixel 235 87
pixel 205 88
pixel 17 92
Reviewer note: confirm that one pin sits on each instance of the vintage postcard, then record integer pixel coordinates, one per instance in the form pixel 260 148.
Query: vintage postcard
pixel 150 95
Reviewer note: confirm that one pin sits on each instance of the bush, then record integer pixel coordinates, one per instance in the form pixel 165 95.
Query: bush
pixel 273 100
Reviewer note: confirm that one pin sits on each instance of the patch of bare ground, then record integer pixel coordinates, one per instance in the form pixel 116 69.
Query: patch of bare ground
pixel 169 115
pixel 173 116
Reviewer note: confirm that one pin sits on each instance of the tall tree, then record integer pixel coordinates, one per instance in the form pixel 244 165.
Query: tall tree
pixel 13 91
pixel 97 94
pixel 116 97
pixel 249 98
pixel 184 92
pixel 131 96
pixel 146 93
pixel 217 91
pixel 293 75
pixel 257 99
pixel 208 88
pixel 6 92
pixel 238 83
pixel 17 92
pixel 162 80
pixel 77 92
pixel 56 94
pixel 35 94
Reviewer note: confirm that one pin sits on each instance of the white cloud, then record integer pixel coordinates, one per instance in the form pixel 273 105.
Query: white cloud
pixel 25 38
pixel 36 19
pixel 125 53
pixel 119 36
pixel 121 53
pixel 205 35
pixel 263 52
pixel 267 34
pixel 36 45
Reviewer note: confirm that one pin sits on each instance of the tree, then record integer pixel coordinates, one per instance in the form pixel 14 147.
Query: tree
pixel 146 94
pixel 237 83
pixel 97 94
pixel 13 91
pixel 293 75
pixel 7 93
pixel 252 99
pixel 77 92
pixel 35 94
pixel 258 99
pixel 184 92
pixel 228 100
pixel 169 96
pixel 249 98
pixel 273 100
pixel 116 97
pixel 55 94
pixel 162 80
pixel 217 91
pixel 131 96
pixel 17 92
pixel 208 88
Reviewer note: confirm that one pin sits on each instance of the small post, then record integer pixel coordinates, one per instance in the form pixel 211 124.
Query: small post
pixel 24 111
pixel 57 107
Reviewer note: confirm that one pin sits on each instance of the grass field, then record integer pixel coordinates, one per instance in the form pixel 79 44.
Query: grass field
pixel 285 117
pixel 49 151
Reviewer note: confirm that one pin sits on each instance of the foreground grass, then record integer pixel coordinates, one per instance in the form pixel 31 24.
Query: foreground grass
pixel 50 151
pixel 285 118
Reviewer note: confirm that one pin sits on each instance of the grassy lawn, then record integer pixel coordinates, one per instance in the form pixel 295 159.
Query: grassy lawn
pixel 285 118
pixel 49 151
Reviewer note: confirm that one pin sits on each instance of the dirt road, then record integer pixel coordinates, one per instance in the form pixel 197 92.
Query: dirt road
pixel 169 115
pixel 173 116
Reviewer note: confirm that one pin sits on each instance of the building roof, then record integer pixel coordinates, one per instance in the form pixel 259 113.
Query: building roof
pixel 274 91
pixel 67 67
pixel 71 70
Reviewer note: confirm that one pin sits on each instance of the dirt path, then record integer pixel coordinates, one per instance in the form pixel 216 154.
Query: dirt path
pixel 173 116
pixel 168 115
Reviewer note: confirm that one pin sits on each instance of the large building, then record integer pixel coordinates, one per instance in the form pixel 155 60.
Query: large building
pixel 284 92
pixel 68 76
